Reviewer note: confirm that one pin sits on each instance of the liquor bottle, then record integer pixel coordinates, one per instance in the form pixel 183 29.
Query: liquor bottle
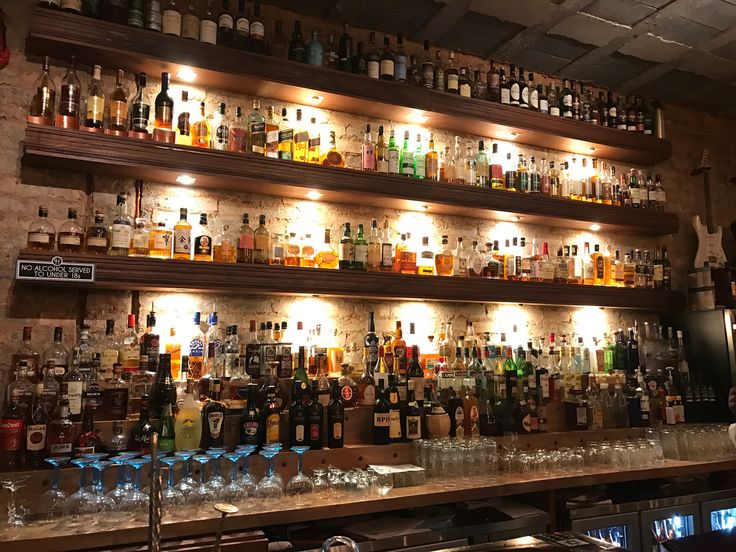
pixel 139 110
pixel 164 106
pixel 314 51
pixel 221 129
pixel 566 100
pixel 425 260
pixel 335 418
pixel 427 67
pixel 387 64
pixel 115 396
pixel 327 257
pixel 49 389
pixel 360 251
pixel 241 32
pixel 392 155
pixel 481 167
pixel 249 421
pixel 286 137
pixel 373 263
pixel 43 104
pixel 398 347
pixel 358 63
pixel 372 58
pixel 345 49
pixel 140 433
pixel 71 234
pixel 261 242
pixel 413 420
pixel 188 423
pixel 431 162
pixel 332 157
pixel 406 157
pixel 35 431
pixel 95 101
pixel 171 19
pixel 41 233
pixel 381 417
pixel 69 106
pixel 415 376
pixel 395 429
pixel 400 60
pixel 451 75
pixel 213 418
pixel 96 237
pixel 60 432
pixel 369 150
pixel 74 382
pixel 298 424
pixel 444 260
pixel 122 229
pixel 164 388
pixel 419 159
pixel 88 441
pixel 27 355
pixel 201 130
pixel 346 248
pixel 202 249
pixel 93 386
pixel 270 418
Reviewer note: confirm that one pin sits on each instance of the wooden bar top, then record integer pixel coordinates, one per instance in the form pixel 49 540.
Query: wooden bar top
pixel 59 538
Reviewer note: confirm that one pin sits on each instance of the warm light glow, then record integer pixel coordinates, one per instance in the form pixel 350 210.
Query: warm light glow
pixel 418 224
pixel 315 99
pixel 512 320
pixel 422 315
pixel 595 227
pixel 314 195
pixel 311 311
pixel 186 74
pixel 513 135
pixel 515 218
pixel 591 150
pixel 589 322
pixel 417 117
pixel 186 179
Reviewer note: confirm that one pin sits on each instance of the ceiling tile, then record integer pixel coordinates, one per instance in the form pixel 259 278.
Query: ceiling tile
pixel 683 30
pixel 560 46
pixel 478 33
pixel 613 70
pixel 714 13
pixel 407 16
pixel 673 85
pixel 653 48
pixel 540 61
pixel 317 8
pixel 711 66
pixel 523 12
pixel 727 51
pixel 624 12
pixel 588 29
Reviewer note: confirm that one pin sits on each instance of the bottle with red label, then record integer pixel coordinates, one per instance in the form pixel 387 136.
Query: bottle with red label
pixel 298 425
pixel 336 418
pixel 88 441
pixel 348 387
pixel 36 431
pixel 60 431
pixel 14 419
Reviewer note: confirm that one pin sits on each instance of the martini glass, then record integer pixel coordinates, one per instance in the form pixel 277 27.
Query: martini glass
pixel 202 494
pixel 104 505
pixel 299 485
pixel 79 504
pixel 234 491
pixel 52 501
pixel 216 481
pixel 135 503
pixel 277 448
pixel 160 454
pixel 187 483
pixel 270 487
pixel 95 457
pixel 246 478
pixel 16 514
pixel 171 496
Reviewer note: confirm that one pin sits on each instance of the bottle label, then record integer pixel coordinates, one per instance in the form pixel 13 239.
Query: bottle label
pixel 347 393
pixel 387 67
pixel 70 239
pixel 70 96
pixel 245 240
pixel 242 26
pixel 118 113
pixel 382 419
pixel 96 242
pixel 346 251
pixel 394 431
pixel 60 449
pixel 38 237
pixel 369 157
pixel 153 16
pixel 314 431
pixel 120 236
pixel 36 437
pixel 418 388
pixel 257 31
pixel 515 94
pixel 140 240
pixel 581 415
pixel 74 394
pixel 554 110
pixel 203 245
pixel 250 428
pixel 373 69
pixel 190 26
pixel 431 167
pixel 171 22
pixel 413 427
pixel 465 90
pixel 214 421
pixel 299 433
pixel 360 252
pixel 11 435
pixel 400 68
pixel 505 96
pixel 407 163
pixel 453 82
pixel 393 161
pixel 387 255
pixel 543 105
pixel 337 430
pixel 420 166
pixel 534 99
pixel 368 395
pixel 75 5
pixel 225 21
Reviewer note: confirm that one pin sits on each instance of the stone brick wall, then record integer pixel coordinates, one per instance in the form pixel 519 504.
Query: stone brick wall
pixel 25 189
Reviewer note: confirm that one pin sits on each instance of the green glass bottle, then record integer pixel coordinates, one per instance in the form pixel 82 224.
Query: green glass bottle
pixel 166 437
pixel 346 251
pixel 360 251
pixel 406 157
pixel 393 155
pixel 301 372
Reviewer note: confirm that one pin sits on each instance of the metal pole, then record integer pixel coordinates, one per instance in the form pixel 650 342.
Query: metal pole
pixel 154 503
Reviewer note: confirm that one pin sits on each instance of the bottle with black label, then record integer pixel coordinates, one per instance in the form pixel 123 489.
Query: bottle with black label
pixel 381 417
pixel 213 418
pixel 335 418
pixel 413 423
pixel 315 415
pixel 250 421
pixel 395 430
pixel 298 435
pixel 140 434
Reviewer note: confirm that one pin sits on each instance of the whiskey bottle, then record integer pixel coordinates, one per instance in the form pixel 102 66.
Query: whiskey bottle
pixel 115 396
pixel 117 106
pixel 451 75
pixel 297 49
pixel 285 137
pixel 373 58
pixel 387 66
pixel 164 105
pixel 360 251
pixel 60 432
pixel 221 129
pixel 262 242
pixel 41 233
pixel 164 390
pixel 135 13
pixel 171 19
pixel 225 25
pixel 140 433
pixel 202 246
pixel 241 34
pixel 69 106
pixel 43 104
pixel 122 229
pixel 182 237
pixel 368 151
pixel 238 138
pixel 314 51
pixel 208 27
pixel 139 111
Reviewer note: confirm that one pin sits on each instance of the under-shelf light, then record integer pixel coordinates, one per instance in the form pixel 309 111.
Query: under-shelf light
pixel 595 227
pixel 186 179
pixel 314 195
pixel 186 74
pixel 315 99
pixel 515 218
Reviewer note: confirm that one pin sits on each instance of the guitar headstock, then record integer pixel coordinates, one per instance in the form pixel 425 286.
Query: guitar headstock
pixel 704 163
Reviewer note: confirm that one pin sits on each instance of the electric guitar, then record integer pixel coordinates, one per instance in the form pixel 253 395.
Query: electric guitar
pixel 710 237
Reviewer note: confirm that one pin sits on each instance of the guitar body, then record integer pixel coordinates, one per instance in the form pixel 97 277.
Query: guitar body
pixel 710 249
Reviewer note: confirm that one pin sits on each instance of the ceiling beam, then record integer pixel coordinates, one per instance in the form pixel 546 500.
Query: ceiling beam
pixel 577 66
pixel 721 39
pixel 347 10
pixel 529 35
pixel 444 19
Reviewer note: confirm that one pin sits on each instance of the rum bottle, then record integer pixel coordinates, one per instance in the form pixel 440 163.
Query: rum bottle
pixel 249 421
pixel 213 418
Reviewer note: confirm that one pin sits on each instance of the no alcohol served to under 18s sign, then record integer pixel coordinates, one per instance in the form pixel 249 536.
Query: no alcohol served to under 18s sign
pixel 54 270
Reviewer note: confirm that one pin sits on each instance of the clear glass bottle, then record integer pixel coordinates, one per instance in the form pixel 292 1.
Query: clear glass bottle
pixel 122 229
pixel 58 354
pixel 201 130
pixel 70 103
pixel 71 234
pixel 41 233
pixel 139 241
pixel 481 167
pixel 262 242
pixel 43 104
pixel 226 246
pixel 97 236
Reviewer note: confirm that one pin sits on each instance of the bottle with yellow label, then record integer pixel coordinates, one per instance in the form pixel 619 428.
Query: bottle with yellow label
pixel 327 256
pixel 271 417
pixel 95 111
pixel 301 139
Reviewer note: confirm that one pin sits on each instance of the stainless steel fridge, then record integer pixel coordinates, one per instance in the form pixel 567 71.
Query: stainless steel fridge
pixel 709 342
pixel 718 515
pixel 664 524
pixel 619 529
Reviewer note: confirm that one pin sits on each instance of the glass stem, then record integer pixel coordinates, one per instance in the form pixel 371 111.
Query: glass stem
pixel 216 468
pixel 300 462
pixel 246 466
pixel 234 473
pixel 137 479
pixel 203 474
pixel 187 468
pixel 55 479
pixel 270 466
pixel 170 482
pixel 82 478
pixel 121 475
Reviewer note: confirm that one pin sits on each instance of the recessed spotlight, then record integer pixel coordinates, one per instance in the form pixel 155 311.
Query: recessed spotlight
pixel 315 99
pixel 425 207
pixel 595 227
pixel 417 117
pixel 314 195
pixel 516 218
pixel 186 74
pixel 513 135
pixel 591 150
pixel 186 179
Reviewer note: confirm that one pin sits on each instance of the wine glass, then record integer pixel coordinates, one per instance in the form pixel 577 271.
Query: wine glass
pixel 300 484
pixel 16 514
pixel 202 493
pixel 217 481
pixel 187 483
pixel 135 502
pixel 234 492
pixel 103 504
pixel 270 487
pixel 80 503
pixel 171 496
pixel 246 478
pixel 52 501
pixel 277 448
pixel 124 483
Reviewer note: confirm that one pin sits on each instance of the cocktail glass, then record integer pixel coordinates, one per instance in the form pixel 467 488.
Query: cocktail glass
pixel 51 505
pixel 299 485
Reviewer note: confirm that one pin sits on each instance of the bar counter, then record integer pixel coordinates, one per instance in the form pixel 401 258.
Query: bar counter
pixel 435 491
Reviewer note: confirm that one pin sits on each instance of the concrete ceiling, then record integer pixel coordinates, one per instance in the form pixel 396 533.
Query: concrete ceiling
pixel 681 51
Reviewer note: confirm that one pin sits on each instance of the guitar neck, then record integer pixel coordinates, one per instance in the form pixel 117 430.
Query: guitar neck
pixel 708 206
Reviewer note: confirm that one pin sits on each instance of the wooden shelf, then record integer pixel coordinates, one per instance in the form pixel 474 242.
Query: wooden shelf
pixel 53 538
pixel 126 273
pixel 55 148
pixel 119 46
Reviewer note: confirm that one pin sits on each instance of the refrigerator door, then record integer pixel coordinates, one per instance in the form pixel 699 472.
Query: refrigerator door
pixel 658 526
pixel 719 514
pixel 619 529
